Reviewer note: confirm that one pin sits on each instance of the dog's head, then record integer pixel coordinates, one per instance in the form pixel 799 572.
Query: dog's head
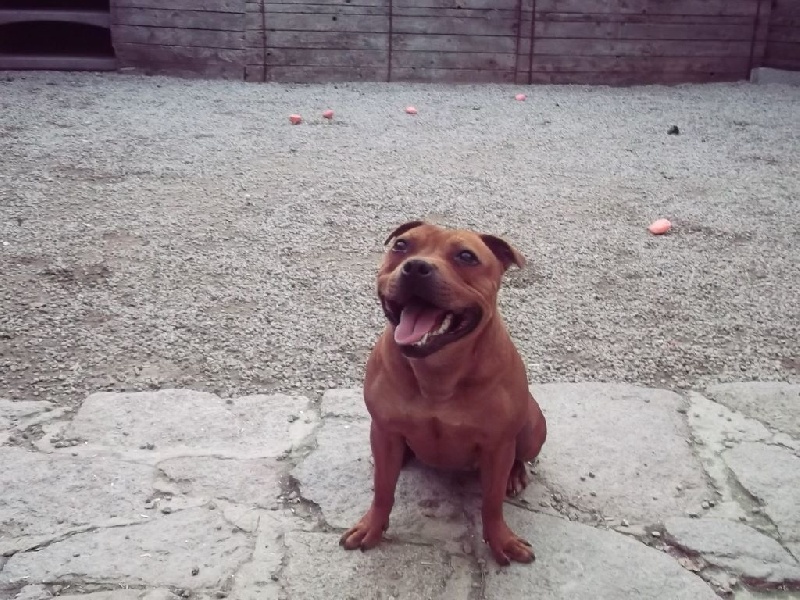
pixel 439 286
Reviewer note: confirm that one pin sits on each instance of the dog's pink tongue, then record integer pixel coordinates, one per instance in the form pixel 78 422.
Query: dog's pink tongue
pixel 415 322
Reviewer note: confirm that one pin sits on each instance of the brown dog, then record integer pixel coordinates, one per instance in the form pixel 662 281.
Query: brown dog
pixel 445 382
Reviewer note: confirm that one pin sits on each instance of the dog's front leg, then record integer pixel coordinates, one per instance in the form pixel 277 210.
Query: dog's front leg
pixel 388 450
pixel 495 466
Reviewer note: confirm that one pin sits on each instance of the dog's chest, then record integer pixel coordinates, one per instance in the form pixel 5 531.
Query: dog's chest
pixel 440 436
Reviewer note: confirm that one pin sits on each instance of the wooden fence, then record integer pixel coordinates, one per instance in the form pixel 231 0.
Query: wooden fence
pixel 509 41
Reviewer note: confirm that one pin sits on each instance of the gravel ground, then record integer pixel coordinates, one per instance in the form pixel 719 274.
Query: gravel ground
pixel 160 233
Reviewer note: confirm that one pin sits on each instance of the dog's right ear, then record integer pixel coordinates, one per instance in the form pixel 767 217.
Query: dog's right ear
pixel 402 229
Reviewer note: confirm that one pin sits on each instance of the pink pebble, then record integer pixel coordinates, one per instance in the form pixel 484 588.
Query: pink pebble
pixel 295 119
pixel 521 97
pixel 328 114
pixel 660 227
pixel 411 110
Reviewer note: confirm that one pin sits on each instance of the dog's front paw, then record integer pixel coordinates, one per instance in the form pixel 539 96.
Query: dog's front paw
pixel 507 546
pixel 365 534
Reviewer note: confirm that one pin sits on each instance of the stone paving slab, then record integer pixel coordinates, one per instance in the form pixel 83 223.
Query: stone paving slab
pixel 735 547
pixel 774 403
pixel 577 562
pixel 620 451
pixel 180 494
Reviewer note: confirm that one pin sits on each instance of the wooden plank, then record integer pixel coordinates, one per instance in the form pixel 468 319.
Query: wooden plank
pixel 323 9
pixel 326 58
pixel 255 56
pixel 325 74
pixel 184 54
pixel 97 18
pixel 638 64
pixel 254 20
pixel 787 35
pixel 183 60
pixel 639 31
pixel 328 39
pixel 453 43
pixel 451 75
pixel 254 73
pixel 632 79
pixel 760 34
pixel 189 19
pixel 456 4
pixel 456 13
pixel 454 26
pixel 13 62
pixel 218 6
pixel 722 20
pixel 652 7
pixel 352 24
pixel 480 61
pixel 564 47
pixel 332 2
pixel 785 8
pixel 783 54
pixel 175 36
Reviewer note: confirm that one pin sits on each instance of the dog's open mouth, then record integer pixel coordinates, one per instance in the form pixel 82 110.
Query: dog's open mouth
pixel 422 328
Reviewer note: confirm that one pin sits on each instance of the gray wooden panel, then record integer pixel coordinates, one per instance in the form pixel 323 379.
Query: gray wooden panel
pixel 326 58
pixel 175 36
pixel 454 25
pixel 652 7
pixel 325 74
pixel 348 23
pixel 454 43
pixel 328 39
pixel 596 47
pixel 234 6
pixel 457 4
pixel 640 31
pixel 182 60
pixel 636 64
pixel 451 75
pixel 479 61
pixel 632 78
pixel 189 19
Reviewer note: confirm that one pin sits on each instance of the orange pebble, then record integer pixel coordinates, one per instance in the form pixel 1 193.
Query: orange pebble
pixel 328 114
pixel 295 119
pixel 411 110
pixel 660 227
pixel 521 97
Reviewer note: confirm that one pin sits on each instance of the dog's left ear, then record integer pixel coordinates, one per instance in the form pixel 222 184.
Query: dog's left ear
pixel 402 229
pixel 505 252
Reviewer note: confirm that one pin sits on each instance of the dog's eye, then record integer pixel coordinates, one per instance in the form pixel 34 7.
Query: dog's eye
pixel 467 257
pixel 400 246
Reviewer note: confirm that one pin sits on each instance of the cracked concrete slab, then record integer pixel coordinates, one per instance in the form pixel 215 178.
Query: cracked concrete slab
pixel 347 402
pixel 735 547
pixel 253 482
pixel 187 422
pixel 45 496
pixel 318 569
pixel 12 412
pixel 578 562
pixel 223 518
pixel 772 475
pixel 619 450
pixel 161 594
pixel 258 579
pixel 337 476
pixel 190 549
pixel 774 403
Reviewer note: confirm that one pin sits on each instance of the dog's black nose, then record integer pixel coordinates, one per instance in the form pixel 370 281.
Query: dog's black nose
pixel 417 268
